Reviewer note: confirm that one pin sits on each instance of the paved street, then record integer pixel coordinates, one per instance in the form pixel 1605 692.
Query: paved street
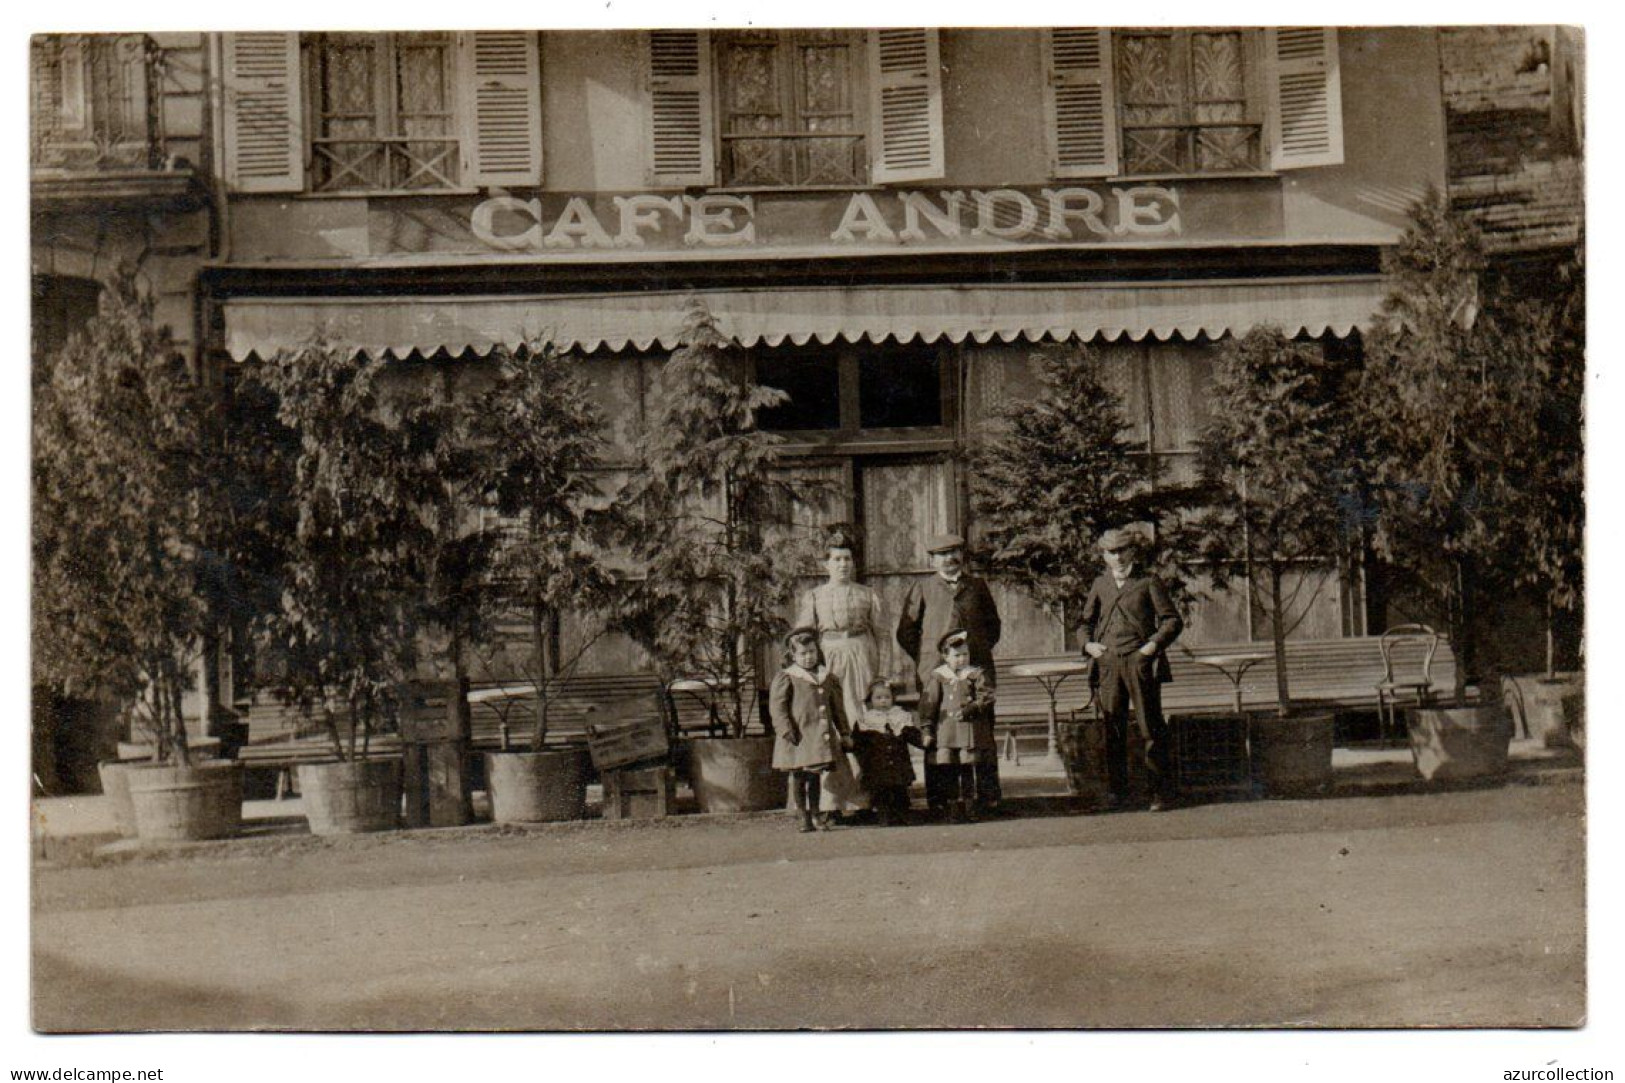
pixel 1395 909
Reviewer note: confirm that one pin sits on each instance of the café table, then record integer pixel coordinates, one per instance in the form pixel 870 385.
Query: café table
pixel 1052 675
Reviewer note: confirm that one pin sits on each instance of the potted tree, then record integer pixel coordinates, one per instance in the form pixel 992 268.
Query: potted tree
pixel 1551 504
pixel 1052 474
pixel 1446 405
pixel 1275 457
pixel 127 522
pixel 344 636
pixel 714 590
pixel 541 441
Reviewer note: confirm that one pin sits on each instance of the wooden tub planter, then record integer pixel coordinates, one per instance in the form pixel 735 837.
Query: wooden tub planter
pixel 1082 746
pixel 172 803
pixel 115 776
pixel 351 797
pixel 1292 755
pixel 538 787
pixel 1454 743
pixel 735 774
pixel 1536 702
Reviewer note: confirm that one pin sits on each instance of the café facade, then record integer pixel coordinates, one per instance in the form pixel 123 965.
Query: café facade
pixel 892 223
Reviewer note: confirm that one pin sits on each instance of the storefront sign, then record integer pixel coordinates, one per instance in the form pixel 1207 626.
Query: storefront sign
pixel 925 218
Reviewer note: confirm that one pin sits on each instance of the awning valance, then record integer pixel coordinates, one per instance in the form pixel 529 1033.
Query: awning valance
pixel 401 326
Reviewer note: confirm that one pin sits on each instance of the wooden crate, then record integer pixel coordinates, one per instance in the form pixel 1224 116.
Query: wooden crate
pixel 642 793
pixel 629 736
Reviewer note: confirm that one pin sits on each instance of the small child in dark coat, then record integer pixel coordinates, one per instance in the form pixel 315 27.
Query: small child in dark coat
pixel 882 738
pixel 956 723
pixel 809 722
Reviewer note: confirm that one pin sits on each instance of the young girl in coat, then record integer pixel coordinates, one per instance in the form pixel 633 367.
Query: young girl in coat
pixel 956 722
pixel 810 729
pixel 882 738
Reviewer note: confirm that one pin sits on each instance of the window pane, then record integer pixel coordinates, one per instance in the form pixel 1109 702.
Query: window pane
pixel 904 504
pixel 424 92
pixel 900 387
pixel 813 381
pixel 1179 382
pixel 346 157
pixel 1122 369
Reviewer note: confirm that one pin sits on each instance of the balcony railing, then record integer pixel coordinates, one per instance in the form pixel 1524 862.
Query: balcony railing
pixel 406 164
pixel 794 159
pixel 97 104
pixel 1225 147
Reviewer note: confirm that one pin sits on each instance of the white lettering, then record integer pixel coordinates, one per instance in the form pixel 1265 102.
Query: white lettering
pixel 483 222
pixel 1147 210
pixel 577 220
pixel 917 205
pixel 1060 210
pixel 987 211
pixel 707 214
pixel 643 212
pixel 862 216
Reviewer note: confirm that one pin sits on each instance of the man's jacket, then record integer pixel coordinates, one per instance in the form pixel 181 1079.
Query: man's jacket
pixel 1126 618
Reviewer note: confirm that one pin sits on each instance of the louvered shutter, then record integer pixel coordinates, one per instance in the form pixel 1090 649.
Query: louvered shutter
pixel 500 77
pixel 680 108
pixel 905 93
pixel 264 129
pixel 1080 108
pixel 1306 98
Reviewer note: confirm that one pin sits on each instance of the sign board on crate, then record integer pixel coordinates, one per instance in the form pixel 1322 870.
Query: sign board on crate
pixel 637 736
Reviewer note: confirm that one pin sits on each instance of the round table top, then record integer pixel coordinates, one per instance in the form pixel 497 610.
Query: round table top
pixel 1061 668
pixel 1230 659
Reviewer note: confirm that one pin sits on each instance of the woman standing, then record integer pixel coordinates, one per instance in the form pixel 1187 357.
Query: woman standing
pixel 848 618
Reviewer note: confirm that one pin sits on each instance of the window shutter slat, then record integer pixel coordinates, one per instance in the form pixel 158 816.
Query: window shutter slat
pixel 264 129
pixel 1080 108
pixel 500 73
pixel 1306 101
pixel 906 105
pixel 680 108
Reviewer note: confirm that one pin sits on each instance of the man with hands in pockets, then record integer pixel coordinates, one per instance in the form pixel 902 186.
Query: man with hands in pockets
pixel 1129 622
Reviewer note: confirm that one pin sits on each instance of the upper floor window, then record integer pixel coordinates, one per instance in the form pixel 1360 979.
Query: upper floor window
pixel 382 107
pixel 793 108
pixel 1163 101
pixel 95 101
pixel 382 113
pixel 788 107
pixel 1186 102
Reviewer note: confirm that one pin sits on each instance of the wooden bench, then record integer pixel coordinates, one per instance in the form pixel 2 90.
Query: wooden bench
pixel 1333 673
pixel 501 716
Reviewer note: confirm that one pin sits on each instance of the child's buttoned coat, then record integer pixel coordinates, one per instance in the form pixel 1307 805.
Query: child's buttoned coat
pixel 809 706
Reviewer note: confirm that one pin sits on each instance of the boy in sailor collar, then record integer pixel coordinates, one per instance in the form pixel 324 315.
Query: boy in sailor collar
pixel 956 725
pixel 809 723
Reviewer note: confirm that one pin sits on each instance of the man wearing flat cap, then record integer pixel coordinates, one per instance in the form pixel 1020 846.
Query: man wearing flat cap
pixel 1129 622
pixel 950 600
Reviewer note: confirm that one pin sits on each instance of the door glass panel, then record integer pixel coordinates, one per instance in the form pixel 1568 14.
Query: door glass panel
pixel 903 505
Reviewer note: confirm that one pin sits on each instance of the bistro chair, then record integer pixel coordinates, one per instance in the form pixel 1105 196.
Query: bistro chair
pixel 1404 646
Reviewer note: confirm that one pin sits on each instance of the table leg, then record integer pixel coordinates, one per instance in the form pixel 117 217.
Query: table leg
pixel 1053 724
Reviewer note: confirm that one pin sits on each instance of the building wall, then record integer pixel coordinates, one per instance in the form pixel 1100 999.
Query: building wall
pixel 1514 128
pixel 993 118
pixel 86 237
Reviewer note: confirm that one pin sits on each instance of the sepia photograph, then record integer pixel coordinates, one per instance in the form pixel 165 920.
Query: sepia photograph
pixel 777 528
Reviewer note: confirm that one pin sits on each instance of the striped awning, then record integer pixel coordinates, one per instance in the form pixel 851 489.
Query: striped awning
pixel 403 326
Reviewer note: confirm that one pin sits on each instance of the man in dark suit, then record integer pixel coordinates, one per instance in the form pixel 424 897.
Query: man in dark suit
pixel 953 599
pixel 1129 623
